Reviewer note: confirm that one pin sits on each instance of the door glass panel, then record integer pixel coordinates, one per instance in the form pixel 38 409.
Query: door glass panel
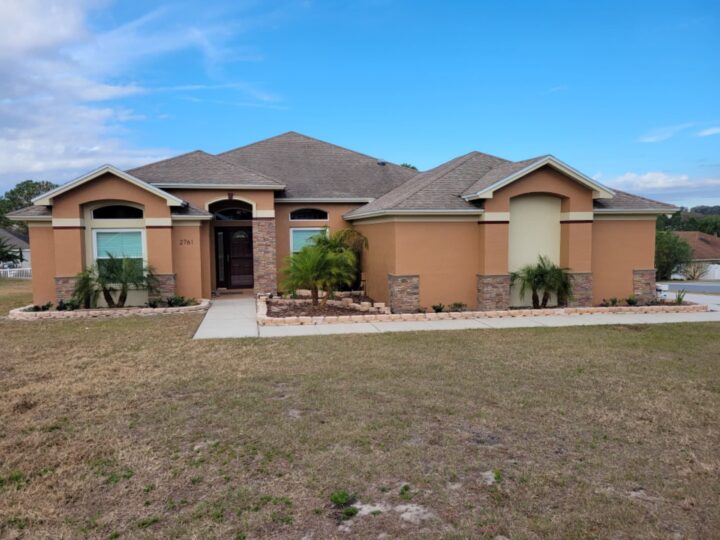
pixel 220 246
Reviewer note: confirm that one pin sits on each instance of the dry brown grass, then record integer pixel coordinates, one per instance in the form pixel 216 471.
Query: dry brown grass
pixel 127 428
pixel 14 293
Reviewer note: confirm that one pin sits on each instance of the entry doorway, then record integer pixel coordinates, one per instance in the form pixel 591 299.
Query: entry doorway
pixel 234 257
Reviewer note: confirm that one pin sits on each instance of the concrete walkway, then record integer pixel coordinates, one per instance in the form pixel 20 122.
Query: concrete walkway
pixel 235 318
pixel 229 318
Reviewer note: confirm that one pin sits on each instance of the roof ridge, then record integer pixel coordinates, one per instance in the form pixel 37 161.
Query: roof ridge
pixel 244 168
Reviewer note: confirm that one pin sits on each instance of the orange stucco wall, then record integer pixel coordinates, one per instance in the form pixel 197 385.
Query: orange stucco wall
pixel 493 246
pixel 108 188
pixel 618 248
pixel 283 225
pixel 576 197
pixel 379 257
pixel 201 198
pixel 42 244
pixel 187 260
pixel 576 246
pixel 159 249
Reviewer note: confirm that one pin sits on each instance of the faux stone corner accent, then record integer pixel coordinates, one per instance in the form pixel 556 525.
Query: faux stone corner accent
pixel 582 289
pixel 493 292
pixel 64 287
pixel 264 256
pixel 404 293
pixel 165 286
pixel 644 284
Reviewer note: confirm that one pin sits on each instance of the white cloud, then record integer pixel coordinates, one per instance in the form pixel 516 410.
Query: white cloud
pixel 59 81
pixel 709 131
pixel 661 182
pixel 664 133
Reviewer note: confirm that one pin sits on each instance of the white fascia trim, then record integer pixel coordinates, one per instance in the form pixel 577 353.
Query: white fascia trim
pixel 30 218
pixel 310 200
pixel 654 211
pixel 429 212
pixel 599 191
pixel 46 198
pixel 170 185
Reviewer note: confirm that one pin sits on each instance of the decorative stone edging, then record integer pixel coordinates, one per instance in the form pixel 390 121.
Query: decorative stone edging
pixel 20 314
pixel 264 320
pixel 364 310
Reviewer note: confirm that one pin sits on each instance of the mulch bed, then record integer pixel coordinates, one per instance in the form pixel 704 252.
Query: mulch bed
pixel 308 310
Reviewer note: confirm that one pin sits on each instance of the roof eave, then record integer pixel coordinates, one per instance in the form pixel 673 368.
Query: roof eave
pixel 599 191
pixel 656 211
pixel 46 198
pixel 423 212
pixel 28 218
pixel 179 185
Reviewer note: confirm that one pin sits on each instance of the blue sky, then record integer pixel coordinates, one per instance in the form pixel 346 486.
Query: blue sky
pixel 627 92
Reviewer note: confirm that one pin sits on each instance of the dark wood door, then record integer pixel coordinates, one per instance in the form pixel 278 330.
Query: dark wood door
pixel 234 257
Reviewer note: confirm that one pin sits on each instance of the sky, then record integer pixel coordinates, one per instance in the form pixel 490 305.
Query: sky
pixel 626 92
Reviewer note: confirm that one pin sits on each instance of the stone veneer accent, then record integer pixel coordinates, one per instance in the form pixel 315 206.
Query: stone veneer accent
pixel 493 292
pixel 404 293
pixel 165 285
pixel 644 284
pixel 264 256
pixel 582 289
pixel 64 287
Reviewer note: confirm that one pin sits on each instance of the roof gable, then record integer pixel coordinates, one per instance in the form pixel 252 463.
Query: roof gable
pixel 311 168
pixel 46 199
pixel 200 169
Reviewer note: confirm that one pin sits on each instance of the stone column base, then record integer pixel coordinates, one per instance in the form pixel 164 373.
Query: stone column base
pixel 644 284
pixel 165 287
pixel 404 293
pixel 582 289
pixel 64 288
pixel 493 292
pixel 264 256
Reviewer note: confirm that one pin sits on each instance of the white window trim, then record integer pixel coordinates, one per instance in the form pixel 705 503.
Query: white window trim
pixel 142 241
pixel 293 229
pixel 327 214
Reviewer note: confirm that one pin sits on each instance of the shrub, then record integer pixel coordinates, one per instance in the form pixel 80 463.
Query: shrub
pixel 680 297
pixel 117 275
pixel 457 306
pixel 438 308
pixel 695 270
pixel 179 301
pixel 631 300
pixel 68 305
pixel 349 512
pixel 342 498
pixel 44 307
pixel 319 267
pixel 614 301
pixel 544 277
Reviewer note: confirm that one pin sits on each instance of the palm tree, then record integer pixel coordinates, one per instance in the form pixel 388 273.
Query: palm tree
pixel 318 268
pixel 546 277
pixel 115 274
pixel 343 239
pixel 9 253
pixel 529 277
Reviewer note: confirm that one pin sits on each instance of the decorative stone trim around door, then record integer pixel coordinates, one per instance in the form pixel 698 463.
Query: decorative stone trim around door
pixel 165 287
pixel 493 292
pixel 404 293
pixel 264 256
pixel 644 284
pixel 582 289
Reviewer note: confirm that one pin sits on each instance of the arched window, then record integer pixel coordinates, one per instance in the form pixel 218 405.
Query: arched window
pixel 234 213
pixel 117 211
pixel 308 214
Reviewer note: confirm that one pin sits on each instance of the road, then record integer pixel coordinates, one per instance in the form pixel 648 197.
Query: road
pixel 712 287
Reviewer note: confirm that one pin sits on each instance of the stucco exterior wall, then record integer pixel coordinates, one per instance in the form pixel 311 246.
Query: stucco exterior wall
pixel 283 225
pixel 42 243
pixel 618 248
pixel 187 260
pixel 263 200
pixel 378 258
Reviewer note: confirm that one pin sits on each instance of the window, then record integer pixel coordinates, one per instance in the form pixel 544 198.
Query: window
pixel 308 214
pixel 119 243
pixel 233 214
pixel 117 211
pixel 299 238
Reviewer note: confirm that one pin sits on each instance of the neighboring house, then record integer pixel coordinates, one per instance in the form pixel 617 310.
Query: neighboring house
pixel 705 248
pixel 450 234
pixel 20 243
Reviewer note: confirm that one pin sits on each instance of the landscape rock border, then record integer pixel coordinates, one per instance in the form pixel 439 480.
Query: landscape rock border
pixel 384 316
pixel 20 314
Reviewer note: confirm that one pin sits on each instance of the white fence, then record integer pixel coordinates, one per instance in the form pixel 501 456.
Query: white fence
pixel 16 273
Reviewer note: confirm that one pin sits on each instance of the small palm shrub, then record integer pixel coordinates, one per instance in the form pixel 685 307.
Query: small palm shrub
pixel 179 301
pixel 631 300
pixel 544 278
pixel 438 308
pixel 116 275
pixel 457 306
pixel 341 240
pixel 680 297
pixel 319 268
pixel 68 305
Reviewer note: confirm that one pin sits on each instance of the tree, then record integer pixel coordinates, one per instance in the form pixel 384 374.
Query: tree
pixel 318 268
pixel 409 166
pixel 544 277
pixel 341 240
pixel 671 252
pixel 19 197
pixel 9 253
pixel 695 270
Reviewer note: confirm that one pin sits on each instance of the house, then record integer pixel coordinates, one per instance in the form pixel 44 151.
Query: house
pixel 451 234
pixel 19 242
pixel 705 250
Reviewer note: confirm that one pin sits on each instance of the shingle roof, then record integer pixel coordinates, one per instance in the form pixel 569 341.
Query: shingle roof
pixel 199 167
pixel 31 212
pixel 189 211
pixel 438 188
pixel 705 247
pixel 500 172
pixel 628 201
pixel 14 239
pixel 312 168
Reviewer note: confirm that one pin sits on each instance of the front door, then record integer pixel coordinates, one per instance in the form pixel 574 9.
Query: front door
pixel 234 257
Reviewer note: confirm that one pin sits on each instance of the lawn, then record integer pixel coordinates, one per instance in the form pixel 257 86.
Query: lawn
pixel 127 428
